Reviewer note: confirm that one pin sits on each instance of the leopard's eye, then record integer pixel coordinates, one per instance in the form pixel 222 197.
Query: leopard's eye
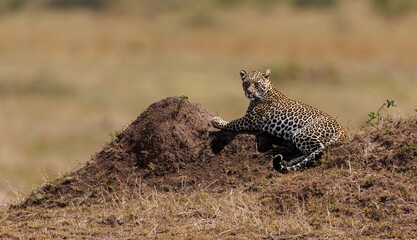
pixel 246 84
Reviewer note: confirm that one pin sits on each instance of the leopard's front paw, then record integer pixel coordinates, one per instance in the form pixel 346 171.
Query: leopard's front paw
pixel 218 122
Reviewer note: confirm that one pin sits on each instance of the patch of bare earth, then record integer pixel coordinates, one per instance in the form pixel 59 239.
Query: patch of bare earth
pixel 170 174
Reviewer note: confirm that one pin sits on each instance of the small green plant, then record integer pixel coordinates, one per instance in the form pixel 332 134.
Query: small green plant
pixel 114 136
pixel 378 117
pixel 96 190
pixel 180 103
pixel 409 150
pixel 111 186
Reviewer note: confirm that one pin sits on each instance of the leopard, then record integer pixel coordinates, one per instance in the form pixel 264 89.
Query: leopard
pixel 310 130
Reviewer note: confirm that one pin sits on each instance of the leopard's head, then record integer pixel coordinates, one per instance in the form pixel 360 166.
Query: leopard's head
pixel 255 84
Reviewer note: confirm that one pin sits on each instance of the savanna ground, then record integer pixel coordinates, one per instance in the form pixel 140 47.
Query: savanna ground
pixel 69 77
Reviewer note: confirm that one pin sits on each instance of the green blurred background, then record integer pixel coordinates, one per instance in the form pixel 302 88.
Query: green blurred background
pixel 73 71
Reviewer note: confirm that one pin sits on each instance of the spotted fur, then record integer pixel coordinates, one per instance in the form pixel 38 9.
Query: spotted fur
pixel 310 129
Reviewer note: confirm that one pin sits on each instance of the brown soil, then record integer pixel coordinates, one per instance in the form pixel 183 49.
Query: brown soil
pixel 391 146
pixel 170 146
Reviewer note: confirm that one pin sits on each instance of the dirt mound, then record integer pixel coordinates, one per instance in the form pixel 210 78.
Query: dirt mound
pixel 170 146
pixel 390 146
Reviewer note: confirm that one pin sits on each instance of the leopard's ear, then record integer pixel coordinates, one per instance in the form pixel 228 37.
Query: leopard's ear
pixel 243 74
pixel 267 73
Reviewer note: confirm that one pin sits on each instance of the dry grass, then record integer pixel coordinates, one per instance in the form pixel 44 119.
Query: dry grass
pixel 235 214
pixel 98 71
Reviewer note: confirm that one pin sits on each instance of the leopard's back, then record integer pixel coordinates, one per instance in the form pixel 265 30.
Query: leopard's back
pixel 283 117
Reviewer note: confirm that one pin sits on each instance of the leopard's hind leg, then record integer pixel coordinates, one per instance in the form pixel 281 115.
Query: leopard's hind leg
pixel 311 143
pixel 295 163
pixel 301 162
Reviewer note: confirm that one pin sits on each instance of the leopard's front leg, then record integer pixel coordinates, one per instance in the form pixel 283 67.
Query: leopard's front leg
pixel 240 124
pixel 218 122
